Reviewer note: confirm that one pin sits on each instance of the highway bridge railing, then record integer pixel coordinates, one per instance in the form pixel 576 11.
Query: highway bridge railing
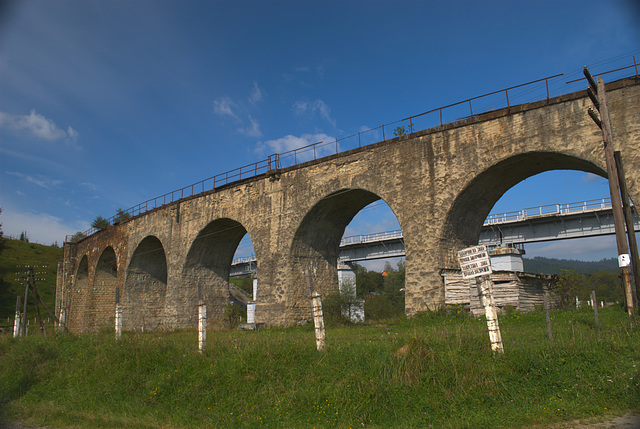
pixel 548 210
pixel 536 90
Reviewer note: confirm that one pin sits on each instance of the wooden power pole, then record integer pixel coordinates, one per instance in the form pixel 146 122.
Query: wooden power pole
pixel 599 99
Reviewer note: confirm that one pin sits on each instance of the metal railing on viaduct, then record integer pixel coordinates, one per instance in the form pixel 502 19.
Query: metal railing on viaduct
pixel 537 90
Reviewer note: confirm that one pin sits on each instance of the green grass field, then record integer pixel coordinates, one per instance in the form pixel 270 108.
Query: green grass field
pixel 435 370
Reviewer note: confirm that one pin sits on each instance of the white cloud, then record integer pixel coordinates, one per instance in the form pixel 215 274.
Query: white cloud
pixel 256 94
pixel 316 107
pixel 40 227
pixel 224 106
pixel 253 130
pixel 290 142
pixel 37 126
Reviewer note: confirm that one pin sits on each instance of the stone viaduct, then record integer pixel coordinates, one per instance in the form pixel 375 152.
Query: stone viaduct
pixel 441 184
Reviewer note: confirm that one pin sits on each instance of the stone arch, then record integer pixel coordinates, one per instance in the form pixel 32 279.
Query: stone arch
pixel 471 206
pixel 145 287
pixel 206 269
pixel 315 247
pixel 78 295
pixel 104 288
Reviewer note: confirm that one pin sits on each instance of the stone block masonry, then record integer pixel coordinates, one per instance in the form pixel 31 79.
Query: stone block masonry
pixel 440 183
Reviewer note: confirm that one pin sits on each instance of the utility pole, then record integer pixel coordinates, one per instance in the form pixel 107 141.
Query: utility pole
pixel 631 232
pixel 599 99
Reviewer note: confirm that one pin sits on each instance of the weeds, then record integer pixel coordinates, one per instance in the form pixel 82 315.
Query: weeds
pixel 436 369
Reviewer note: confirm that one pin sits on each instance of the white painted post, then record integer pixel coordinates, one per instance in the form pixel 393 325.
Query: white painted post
pixel 255 289
pixel 202 326
pixel 318 320
pixel 63 320
pixel 251 312
pixel 118 321
pixel 485 293
pixel 16 320
pixel 16 325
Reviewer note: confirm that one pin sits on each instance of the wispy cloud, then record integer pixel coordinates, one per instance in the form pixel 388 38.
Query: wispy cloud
pixel 224 106
pixel 37 126
pixel 41 181
pixel 252 130
pixel 256 94
pixel 589 178
pixel 319 107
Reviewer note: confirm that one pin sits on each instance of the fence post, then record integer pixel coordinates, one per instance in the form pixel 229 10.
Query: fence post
pixel 118 321
pixel 485 293
pixel 318 320
pixel 548 317
pixel 595 312
pixel 202 326
pixel 16 321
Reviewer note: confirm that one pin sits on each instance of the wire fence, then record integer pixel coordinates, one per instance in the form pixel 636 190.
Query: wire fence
pixel 537 90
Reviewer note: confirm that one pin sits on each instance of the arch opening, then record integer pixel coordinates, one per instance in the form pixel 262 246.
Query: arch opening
pixel 145 287
pixel 317 255
pixel 472 206
pixel 540 199
pixel 207 269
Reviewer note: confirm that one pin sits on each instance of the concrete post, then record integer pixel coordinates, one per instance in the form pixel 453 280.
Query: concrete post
pixel 485 293
pixel 202 326
pixel 118 321
pixel 63 320
pixel 16 320
pixel 255 289
pixel 16 325
pixel 251 312
pixel 318 320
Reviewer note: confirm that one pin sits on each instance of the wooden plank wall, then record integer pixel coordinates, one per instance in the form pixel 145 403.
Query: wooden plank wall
pixel 522 291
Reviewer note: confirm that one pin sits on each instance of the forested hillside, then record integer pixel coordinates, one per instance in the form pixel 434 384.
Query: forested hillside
pixel 15 256
pixel 554 266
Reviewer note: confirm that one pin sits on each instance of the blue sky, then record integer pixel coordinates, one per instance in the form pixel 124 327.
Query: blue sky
pixel 105 104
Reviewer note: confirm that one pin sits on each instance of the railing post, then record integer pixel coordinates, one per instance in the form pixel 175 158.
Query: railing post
pixel 546 81
pixel 383 137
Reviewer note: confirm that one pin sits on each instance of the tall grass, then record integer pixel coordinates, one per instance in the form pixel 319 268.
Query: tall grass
pixel 435 370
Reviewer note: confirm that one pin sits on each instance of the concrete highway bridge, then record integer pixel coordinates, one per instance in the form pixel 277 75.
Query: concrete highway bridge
pixel 532 225
pixel 440 180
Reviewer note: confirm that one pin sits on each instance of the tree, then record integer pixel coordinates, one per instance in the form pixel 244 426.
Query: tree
pixel 368 282
pixel 569 285
pixel 100 223
pixel 400 131
pixel 78 236
pixel 121 216
pixel 607 286
pixel 388 302
pixel 24 237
